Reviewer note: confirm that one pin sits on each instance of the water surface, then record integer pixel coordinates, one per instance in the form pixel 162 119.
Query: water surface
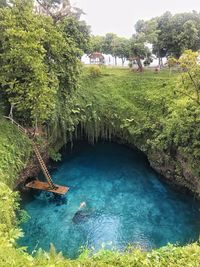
pixel 126 203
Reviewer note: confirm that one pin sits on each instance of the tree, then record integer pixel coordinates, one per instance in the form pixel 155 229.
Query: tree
pixel 3 3
pixel 58 9
pixel 176 33
pixel 120 48
pixel 147 30
pixel 68 17
pixel 163 29
pixel 146 33
pixel 182 34
pixel 189 37
pixel 190 78
pixel 109 45
pixel 172 62
pixel 171 34
pixel 139 51
pixel 77 30
pixel 38 62
pixel 96 44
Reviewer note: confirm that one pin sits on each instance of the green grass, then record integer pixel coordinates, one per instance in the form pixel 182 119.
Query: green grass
pixel 131 104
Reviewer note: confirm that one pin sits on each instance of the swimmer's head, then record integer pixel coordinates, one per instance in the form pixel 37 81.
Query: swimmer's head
pixel 82 205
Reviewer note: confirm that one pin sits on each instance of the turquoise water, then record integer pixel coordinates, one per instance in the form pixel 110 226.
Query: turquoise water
pixel 126 203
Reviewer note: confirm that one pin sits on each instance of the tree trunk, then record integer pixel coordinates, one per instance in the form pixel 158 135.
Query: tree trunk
pixel 139 63
pixel 115 61
pixel 161 63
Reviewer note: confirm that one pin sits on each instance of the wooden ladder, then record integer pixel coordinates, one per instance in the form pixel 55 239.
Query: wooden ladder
pixel 43 166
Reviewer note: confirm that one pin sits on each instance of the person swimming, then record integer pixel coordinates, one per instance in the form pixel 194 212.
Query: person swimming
pixel 82 205
pixel 80 215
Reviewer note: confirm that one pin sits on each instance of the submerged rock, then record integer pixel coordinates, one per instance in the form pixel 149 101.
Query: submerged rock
pixel 80 216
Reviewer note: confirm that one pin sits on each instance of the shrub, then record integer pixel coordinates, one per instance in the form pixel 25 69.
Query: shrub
pixel 95 71
pixel 130 65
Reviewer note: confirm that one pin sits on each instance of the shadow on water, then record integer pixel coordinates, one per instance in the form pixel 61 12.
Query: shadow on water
pixel 125 203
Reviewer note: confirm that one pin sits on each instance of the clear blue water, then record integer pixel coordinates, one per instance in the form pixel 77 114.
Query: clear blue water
pixel 126 203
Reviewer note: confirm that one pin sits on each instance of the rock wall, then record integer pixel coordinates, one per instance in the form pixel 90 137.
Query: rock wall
pixel 176 171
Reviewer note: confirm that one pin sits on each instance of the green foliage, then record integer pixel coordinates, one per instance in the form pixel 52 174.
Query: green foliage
pixel 121 48
pixel 139 50
pixel 14 152
pixel 94 71
pixel 38 62
pixel 39 72
pixel 172 62
pixel 3 3
pixel 96 44
pixel 190 79
pixel 54 155
pixel 111 44
pixel 169 256
pixel 134 94
pixel 146 110
pixel 138 107
pixel 13 156
pixel 166 256
pixel 8 207
pixel 147 30
pixel 171 34
pixel 79 31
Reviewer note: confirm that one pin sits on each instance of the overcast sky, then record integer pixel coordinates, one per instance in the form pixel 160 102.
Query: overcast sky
pixel 120 16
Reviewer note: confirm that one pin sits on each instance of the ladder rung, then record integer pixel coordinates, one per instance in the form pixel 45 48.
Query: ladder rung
pixel 43 166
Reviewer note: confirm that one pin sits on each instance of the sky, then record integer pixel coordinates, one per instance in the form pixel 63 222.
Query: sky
pixel 120 16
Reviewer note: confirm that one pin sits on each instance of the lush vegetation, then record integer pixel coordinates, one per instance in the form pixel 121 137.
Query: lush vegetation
pixel 14 149
pixel 42 83
pixel 138 120
pixel 169 35
pixel 14 153
pixel 169 256
pixel 147 110
pixel 39 62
